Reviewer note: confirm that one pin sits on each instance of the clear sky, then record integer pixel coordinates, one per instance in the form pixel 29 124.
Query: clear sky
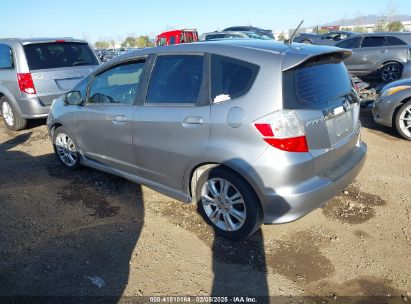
pixel 115 19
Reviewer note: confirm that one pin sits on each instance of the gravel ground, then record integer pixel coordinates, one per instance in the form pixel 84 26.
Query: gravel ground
pixel 65 233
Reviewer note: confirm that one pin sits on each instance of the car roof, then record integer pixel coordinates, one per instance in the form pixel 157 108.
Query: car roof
pixel 26 41
pixel 293 54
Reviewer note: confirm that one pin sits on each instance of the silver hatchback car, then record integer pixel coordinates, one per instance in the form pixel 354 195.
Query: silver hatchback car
pixel 35 71
pixel 255 131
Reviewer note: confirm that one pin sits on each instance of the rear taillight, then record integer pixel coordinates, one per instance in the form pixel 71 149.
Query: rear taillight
pixel 26 84
pixel 283 130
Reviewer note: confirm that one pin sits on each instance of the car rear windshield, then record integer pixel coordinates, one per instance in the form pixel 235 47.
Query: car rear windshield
pixel 59 55
pixel 317 84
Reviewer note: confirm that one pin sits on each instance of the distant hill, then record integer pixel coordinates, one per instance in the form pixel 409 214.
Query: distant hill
pixel 367 20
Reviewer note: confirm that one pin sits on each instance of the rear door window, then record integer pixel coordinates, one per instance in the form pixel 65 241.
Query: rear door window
pixel 6 57
pixel 395 41
pixel 231 78
pixel 350 43
pixel 176 79
pixel 373 41
pixel 316 85
pixel 59 55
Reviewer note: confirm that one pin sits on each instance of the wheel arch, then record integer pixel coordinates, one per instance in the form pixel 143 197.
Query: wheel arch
pixel 196 172
pixel 397 108
pixel 4 92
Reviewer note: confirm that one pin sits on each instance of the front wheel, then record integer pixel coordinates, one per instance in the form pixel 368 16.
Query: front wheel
pixel 403 120
pixel 65 148
pixel 228 203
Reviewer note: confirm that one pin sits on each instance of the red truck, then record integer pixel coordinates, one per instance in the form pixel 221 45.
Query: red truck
pixel 177 37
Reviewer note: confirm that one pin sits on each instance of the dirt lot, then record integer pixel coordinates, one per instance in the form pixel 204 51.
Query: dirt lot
pixel 89 233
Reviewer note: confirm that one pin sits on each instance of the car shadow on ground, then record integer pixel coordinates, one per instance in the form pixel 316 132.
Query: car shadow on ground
pixel 64 232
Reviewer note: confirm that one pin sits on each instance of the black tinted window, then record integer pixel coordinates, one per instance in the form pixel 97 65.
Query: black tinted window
pixel 215 36
pixel 373 41
pixel 315 86
pixel 176 79
pixel 59 55
pixel 395 41
pixel 117 85
pixel 6 58
pixel 350 43
pixel 231 77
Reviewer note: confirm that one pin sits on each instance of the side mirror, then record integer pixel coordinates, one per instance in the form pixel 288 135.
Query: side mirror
pixel 73 98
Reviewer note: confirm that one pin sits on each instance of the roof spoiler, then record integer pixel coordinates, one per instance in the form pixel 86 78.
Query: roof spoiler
pixel 296 59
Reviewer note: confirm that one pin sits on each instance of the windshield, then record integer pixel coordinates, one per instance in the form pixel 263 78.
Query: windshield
pixel 59 55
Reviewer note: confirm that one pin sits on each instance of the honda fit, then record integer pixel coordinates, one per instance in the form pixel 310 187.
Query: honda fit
pixel 254 131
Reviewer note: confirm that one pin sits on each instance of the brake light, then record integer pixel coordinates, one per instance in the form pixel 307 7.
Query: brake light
pixel 26 84
pixel 60 40
pixel 283 130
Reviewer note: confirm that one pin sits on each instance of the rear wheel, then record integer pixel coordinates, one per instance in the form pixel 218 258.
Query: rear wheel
pixel 403 120
pixel 65 148
pixel 228 203
pixel 390 72
pixel 11 117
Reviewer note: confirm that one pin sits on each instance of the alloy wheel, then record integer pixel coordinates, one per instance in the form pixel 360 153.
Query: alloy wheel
pixel 8 114
pixel 391 72
pixel 66 149
pixel 223 204
pixel 405 121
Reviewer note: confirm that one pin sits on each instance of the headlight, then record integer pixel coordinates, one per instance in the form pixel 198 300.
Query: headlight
pixel 394 90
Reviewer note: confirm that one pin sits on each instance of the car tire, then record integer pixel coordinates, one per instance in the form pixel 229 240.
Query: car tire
pixel 390 72
pixel 11 117
pixel 65 148
pixel 403 120
pixel 306 42
pixel 234 213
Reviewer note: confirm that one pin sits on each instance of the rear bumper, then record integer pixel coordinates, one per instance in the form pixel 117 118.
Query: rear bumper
pixel 31 107
pixel 291 203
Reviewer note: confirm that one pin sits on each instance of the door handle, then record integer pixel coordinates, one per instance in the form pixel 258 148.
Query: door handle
pixel 384 51
pixel 119 119
pixel 192 121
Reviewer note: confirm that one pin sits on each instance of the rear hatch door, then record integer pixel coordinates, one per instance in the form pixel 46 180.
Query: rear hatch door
pixel 56 67
pixel 320 91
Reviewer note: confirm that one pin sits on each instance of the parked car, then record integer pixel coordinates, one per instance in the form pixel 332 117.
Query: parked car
pixel 177 37
pixel 113 53
pixel 393 107
pixel 257 131
pixel 260 31
pixel 329 38
pixel 382 55
pixel 406 71
pixel 231 35
pixel 34 72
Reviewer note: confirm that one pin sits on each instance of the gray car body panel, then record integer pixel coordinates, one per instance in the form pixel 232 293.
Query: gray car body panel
pixel 49 83
pixel 384 107
pixel 366 61
pixel 169 157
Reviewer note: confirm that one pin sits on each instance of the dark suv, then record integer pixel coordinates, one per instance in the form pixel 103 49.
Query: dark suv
pixel 382 55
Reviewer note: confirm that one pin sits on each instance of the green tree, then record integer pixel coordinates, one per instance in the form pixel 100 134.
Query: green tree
pixel 281 36
pixel 143 41
pixel 129 42
pixel 381 26
pixel 395 26
pixel 102 45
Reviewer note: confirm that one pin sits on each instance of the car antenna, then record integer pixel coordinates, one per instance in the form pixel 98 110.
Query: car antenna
pixel 290 40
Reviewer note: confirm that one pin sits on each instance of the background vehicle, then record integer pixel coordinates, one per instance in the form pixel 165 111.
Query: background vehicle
pixel 329 38
pixel 239 135
pixel 33 72
pixel 382 55
pixel 113 53
pixel 231 35
pixel 177 37
pixel 260 31
pixel 393 107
